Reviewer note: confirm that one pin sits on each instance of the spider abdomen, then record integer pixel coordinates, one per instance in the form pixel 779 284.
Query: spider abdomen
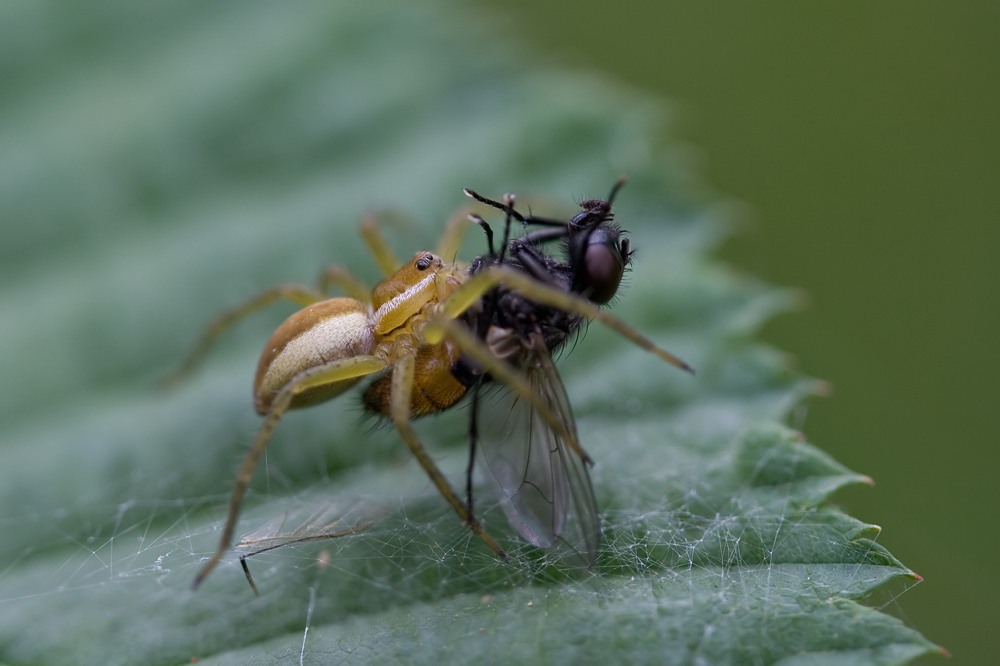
pixel 338 328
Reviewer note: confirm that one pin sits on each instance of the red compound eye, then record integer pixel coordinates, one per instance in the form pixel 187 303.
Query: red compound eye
pixel 603 266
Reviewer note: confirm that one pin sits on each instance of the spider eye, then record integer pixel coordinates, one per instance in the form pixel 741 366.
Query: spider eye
pixel 425 262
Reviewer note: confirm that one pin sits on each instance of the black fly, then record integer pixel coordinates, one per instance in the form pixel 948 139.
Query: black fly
pixel 540 475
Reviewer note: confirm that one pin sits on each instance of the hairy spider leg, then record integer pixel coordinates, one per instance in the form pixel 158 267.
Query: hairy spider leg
pixel 402 385
pixel 473 289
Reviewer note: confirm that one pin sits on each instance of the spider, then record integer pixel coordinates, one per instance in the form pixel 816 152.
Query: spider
pixel 426 331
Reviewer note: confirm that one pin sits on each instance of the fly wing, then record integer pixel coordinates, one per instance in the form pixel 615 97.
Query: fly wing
pixel 539 476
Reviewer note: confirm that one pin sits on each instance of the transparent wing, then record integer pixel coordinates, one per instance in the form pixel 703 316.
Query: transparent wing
pixel 540 478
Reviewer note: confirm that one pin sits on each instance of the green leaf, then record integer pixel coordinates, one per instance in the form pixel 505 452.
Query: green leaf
pixel 162 163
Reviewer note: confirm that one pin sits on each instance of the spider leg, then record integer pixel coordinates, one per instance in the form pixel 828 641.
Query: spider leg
pixel 338 276
pixel 298 294
pixel 330 373
pixel 505 373
pixel 454 233
pixel 386 259
pixel 474 288
pixel 402 387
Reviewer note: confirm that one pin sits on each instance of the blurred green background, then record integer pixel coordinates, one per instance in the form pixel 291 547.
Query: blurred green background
pixel 863 139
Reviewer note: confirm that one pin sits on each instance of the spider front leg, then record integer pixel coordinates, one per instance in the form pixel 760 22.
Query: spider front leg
pixel 474 288
pixel 402 388
pixel 345 372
